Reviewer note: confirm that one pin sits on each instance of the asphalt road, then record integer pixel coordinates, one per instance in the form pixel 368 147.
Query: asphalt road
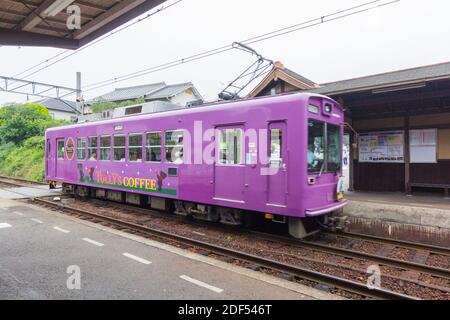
pixel 41 254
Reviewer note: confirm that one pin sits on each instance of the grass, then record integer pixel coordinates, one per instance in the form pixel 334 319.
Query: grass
pixel 23 161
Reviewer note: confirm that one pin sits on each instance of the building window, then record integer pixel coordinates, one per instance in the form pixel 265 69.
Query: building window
pixel 174 146
pixel 133 110
pixel 61 149
pixel 105 148
pixel 135 147
pixel 230 146
pixel 153 147
pixel 81 148
pixel 92 148
pixel 119 148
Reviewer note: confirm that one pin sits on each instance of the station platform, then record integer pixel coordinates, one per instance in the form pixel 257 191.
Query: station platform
pixel 41 250
pixel 420 217
pixel 27 192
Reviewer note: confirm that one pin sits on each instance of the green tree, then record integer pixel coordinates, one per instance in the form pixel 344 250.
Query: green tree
pixel 100 106
pixel 19 122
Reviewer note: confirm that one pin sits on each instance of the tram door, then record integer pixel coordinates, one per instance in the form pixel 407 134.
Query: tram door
pixel 229 167
pixel 48 157
pixel 59 157
pixel 278 160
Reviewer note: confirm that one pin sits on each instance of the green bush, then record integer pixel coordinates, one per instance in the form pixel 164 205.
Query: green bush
pixel 19 122
pixel 25 160
pixel 100 106
pixel 22 142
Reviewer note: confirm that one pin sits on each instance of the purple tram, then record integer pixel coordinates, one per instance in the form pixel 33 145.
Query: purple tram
pixel 276 158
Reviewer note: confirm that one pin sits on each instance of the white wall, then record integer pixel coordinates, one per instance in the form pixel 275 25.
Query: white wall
pixel 61 115
pixel 182 98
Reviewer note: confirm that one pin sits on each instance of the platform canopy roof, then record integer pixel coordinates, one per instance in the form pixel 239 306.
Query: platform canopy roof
pixel 390 80
pixel 420 90
pixel 43 23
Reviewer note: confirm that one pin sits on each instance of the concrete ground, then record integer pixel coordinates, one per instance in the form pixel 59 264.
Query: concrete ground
pixel 416 200
pixel 42 252
pixel 423 217
pixel 26 192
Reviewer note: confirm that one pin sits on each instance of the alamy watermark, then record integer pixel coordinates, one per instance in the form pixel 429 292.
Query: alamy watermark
pixel 374 279
pixel 74 280
pixel 73 21
pixel 228 146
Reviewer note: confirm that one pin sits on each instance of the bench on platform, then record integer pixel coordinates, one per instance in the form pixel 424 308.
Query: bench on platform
pixel 446 187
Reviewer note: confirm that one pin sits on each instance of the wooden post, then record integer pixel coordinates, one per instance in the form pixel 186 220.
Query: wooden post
pixel 350 161
pixel 407 157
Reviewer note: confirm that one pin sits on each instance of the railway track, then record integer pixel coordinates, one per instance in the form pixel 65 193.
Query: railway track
pixel 8 182
pixel 18 182
pixel 383 260
pixel 206 248
pixel 397 243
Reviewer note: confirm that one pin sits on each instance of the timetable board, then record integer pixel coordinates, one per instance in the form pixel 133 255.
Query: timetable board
pixel 423 146
pixel 382 147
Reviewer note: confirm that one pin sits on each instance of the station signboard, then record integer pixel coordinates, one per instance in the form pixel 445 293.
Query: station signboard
pixel 382 147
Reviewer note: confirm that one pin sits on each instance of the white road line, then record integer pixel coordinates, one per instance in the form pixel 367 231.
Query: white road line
pixel 36 220
pixel 201 284
pixel 18 213
pixel 4 225
pixel 60 229
pixel 136 258
pixel 98 244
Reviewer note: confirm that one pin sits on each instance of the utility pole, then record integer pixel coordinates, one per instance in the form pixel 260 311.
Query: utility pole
pixel 79 97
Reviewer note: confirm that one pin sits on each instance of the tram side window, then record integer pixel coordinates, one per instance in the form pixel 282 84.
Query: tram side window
pixel 230 146
pixel 276 138
pixel 174 146
pixel 60 149
pixel 135 147
pixel 105 148
pixel 92 148
pixel 333 148
pixel 119 148
pixel 81 148
pixel 316 146
pixel 153 147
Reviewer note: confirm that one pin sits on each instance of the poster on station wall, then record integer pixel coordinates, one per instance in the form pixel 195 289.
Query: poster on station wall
pixel 382 147
pixel 423 146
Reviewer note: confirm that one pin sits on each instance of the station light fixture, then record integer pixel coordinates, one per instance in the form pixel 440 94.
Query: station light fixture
pixel 56 7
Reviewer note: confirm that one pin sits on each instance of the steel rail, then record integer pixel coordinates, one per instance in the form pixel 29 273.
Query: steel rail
pixel 20 180
pixel 333 281
pixel 399 243
pixel 387 261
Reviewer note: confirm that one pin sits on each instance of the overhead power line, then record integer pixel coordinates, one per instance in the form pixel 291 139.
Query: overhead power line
pixel 71 52
pixel 367 6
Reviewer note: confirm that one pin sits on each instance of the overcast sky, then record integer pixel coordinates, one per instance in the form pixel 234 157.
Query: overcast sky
pixel 406 34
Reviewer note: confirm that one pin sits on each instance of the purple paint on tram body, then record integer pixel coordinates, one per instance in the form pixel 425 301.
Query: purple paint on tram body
pixel 234 179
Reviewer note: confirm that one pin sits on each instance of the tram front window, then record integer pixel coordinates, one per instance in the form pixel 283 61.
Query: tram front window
pixel 316 146
pixel 333 148
pixel 324 151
